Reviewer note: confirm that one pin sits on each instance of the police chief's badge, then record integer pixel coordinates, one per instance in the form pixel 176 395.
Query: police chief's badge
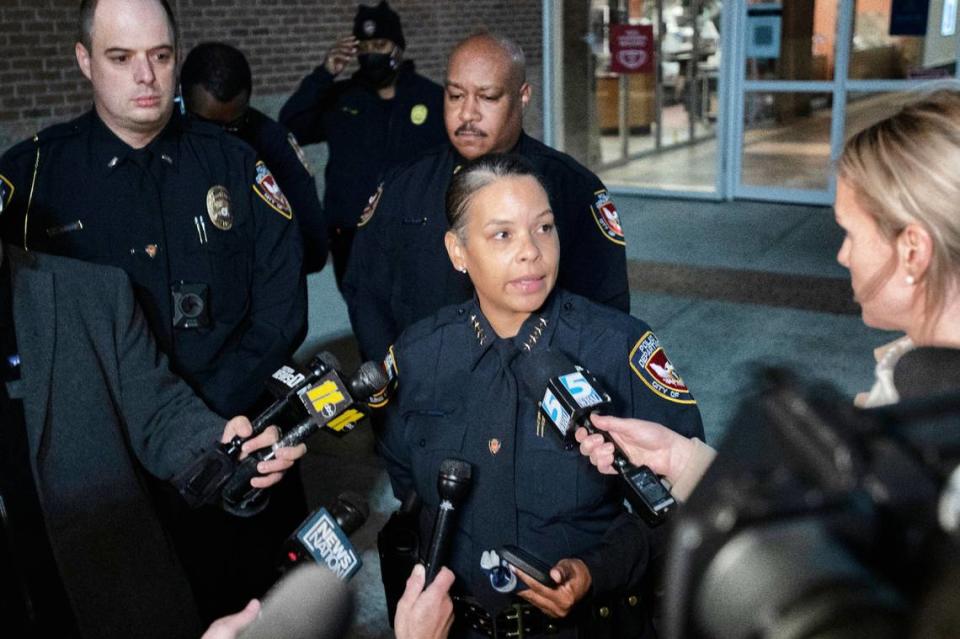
pixel 269 191
pixel 369 28
pixel 606 216
pixel 371 206
pixel 292 139
pixel 218 207
pixel 649 361
pixel 418 114
pixel 6 192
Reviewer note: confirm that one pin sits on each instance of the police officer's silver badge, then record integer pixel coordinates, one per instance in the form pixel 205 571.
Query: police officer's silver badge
pixel 218 207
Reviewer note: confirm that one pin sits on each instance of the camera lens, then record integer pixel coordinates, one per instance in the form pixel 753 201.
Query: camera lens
pixel 191 305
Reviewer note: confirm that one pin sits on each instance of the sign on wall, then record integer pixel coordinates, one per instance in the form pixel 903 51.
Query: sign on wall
pixel 631 48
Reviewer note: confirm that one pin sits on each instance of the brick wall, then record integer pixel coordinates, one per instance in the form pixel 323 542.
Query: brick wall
pixel 283 39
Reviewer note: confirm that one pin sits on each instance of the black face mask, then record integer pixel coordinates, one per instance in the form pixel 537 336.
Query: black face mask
pixel 378 69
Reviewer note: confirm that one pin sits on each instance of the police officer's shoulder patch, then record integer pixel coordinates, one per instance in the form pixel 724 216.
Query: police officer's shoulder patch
pixel 6 192
pixel 292 139
pixel 649 361
pixel 606 216
pixel 371 206
pixel 269 191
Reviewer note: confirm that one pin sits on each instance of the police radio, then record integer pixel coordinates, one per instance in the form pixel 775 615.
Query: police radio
pixel 332 404
pixel 571 395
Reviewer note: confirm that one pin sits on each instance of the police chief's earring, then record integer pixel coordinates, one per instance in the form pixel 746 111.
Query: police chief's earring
pixel 910 280
pixel 462 269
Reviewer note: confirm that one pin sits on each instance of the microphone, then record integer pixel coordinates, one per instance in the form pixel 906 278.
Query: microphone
pixel 571 395
pixel 453 484
pixel 331 404
pixel 203 480
pixel 307 603
pixel 323 537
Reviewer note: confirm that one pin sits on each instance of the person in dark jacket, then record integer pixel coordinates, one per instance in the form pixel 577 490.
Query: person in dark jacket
pixel 383 115
pixel 398 272
pixel 87 404
pixel 460 373
pixel 216 84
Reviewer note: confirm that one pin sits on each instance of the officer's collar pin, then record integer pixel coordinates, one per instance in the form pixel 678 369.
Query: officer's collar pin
pixel 536 333
pixel 481 334
pixel 113 162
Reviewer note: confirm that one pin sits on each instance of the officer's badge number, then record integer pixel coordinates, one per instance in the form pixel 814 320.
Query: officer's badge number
pixel 651 364
pixel 607 219
pixel 218 207
pixel 269 191
pixel 6 193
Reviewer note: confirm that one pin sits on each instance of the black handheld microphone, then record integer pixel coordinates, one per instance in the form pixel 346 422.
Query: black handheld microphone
pixel 306 603
pixel 332 404
pixel 453 484
pixel 203 480
pixel 323 537
pixel 571 395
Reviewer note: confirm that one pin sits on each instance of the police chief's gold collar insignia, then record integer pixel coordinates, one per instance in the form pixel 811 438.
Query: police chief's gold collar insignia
pixel 218 208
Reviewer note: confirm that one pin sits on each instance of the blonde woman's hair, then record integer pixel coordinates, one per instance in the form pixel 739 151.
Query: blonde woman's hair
pixel 906 169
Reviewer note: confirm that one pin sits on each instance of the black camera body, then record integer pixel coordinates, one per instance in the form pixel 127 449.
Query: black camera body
pixel 191 304
pixel 818 520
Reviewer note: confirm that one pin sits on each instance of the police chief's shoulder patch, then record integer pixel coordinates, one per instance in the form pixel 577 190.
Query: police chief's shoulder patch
pixel 269 191
pixel 292 139
pixel 371 206
pixel 606 216
pixel 6 193
pixel 649 361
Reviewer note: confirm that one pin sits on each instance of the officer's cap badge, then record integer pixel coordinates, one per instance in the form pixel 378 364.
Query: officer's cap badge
pixel 371 206
pixel 218 207
pixel 269 191
pixel 418 114
pixel 369 28
pixel 606 216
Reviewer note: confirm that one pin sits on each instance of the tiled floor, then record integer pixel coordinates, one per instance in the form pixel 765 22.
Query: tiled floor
pixel 714 342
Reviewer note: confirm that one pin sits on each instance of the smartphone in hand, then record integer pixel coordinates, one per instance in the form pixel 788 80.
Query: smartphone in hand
pixel 528 563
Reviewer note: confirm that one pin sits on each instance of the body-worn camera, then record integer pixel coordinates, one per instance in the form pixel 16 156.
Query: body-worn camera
pixel 191 304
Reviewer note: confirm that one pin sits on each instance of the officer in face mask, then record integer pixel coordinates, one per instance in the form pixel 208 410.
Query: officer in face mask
pixel 384 114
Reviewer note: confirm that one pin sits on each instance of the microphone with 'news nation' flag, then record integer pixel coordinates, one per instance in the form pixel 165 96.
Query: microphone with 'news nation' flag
pixel 202 482
pixel 332 404
pixel 323 537
pixel 453 484
pixel 571 395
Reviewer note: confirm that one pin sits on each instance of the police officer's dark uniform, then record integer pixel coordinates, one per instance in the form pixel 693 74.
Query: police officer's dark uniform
pixel 365 135
pixel 458 397
pixel 208 241
pixel 400 271
pixel 279 149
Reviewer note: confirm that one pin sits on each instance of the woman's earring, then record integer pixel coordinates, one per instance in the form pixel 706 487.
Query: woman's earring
pixel 462 269
pixel 910 280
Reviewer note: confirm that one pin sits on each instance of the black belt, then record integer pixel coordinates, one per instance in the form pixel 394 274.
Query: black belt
pixel 518 620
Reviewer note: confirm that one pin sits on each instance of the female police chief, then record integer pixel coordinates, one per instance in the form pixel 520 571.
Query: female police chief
pixel 460 379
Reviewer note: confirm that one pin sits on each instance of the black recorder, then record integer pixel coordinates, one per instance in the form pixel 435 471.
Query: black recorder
pixel 528 563
pixel 191 305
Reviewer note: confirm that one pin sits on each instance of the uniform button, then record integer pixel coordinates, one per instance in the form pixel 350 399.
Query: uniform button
pixel 632 600
pixel 551 628
pixel 568 306
pixel 604 612
pixel 460 311
pixel 423 443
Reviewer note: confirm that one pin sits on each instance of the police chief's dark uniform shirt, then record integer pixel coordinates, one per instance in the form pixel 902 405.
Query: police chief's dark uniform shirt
pixel 195 210
pixel 278 147
pixel 32 599
pixel 461 394
pixel 399 271
pixel 365 134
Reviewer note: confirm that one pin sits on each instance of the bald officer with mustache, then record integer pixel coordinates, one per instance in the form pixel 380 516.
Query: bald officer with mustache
pixel 399 271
